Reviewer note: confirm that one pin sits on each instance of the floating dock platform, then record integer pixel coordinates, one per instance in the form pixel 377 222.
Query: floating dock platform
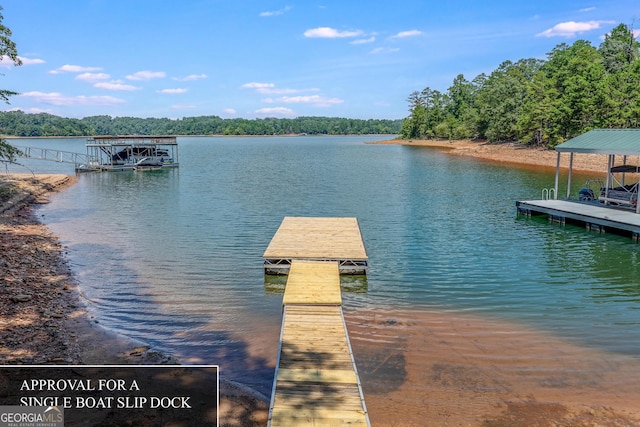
pixel 316 381
pixel 594 216
pixel 317 239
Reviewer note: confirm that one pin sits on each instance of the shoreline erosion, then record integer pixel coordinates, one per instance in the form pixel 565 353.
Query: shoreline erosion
pixel 80 340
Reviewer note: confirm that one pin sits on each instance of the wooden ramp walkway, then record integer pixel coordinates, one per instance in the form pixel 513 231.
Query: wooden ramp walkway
pixel 316 381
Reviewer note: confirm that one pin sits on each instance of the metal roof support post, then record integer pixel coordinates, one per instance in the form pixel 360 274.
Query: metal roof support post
pixel 637 204
pixel 608 181
pixel 557 174
pixel 569 180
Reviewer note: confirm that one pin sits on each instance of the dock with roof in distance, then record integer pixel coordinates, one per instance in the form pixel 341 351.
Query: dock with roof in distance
pixel 316 381
pixel 609 204
pixel 130 153
pixel 317 239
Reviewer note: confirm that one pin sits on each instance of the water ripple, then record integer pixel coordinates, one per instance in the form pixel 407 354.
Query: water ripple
pixel 175 258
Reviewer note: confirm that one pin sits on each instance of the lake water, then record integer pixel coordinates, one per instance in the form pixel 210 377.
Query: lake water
pixel 174 258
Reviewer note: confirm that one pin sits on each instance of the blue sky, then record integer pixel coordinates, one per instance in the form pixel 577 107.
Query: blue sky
pixel 254 59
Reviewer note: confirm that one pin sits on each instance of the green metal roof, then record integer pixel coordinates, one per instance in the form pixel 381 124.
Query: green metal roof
pixel 604 141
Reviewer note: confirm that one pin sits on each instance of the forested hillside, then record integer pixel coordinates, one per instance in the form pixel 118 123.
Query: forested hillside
pixel 17 123
pixel 542 102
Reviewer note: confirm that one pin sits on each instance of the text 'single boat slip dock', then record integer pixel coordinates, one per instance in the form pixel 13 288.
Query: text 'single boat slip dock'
pixel 317 239
pixel 316 381
pixel 613 203
pixel 121 153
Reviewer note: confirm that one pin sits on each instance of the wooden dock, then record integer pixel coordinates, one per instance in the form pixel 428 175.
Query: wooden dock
pixel 594 216
pixel 317 239
pixel 316 381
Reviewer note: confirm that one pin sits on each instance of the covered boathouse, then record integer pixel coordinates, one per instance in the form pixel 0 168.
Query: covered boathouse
pixel 609 203
pixel 130 152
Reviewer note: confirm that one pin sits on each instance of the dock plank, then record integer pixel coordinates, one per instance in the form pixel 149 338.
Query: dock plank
pixel 317 238
pixel 316 381
pixel 313 283
pixel 588 213
pixel 343 376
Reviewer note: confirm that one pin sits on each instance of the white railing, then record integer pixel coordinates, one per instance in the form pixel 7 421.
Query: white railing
pixel 56 155
pixel 549 194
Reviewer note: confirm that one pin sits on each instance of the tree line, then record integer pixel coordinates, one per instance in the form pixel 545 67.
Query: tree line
pixel 18 123
pixel 540 102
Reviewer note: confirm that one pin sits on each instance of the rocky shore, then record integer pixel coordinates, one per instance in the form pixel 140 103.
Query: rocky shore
pixel 37 294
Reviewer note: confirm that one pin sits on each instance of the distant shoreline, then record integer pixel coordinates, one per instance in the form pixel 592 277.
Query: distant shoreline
pixel 205 135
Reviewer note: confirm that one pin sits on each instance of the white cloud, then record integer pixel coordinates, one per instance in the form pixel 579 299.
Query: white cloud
pixel 571 28
pixel 404 34
pixel 279 111
pixel 92 77
pixel 275 12
pixel 115 85
pixel 6 62
pixel 587 9
pixel 270 89
pixel 173 91
pixel 55 98
pixel 364 41
pixel 26 61
pixel 147 75
pixel 191 77
pixel 636 33
pixel 74 69
pixel 383 50
pixel 256 85
pixel 317 100
pixel 330 33
pixel 285 91
pixel 229 111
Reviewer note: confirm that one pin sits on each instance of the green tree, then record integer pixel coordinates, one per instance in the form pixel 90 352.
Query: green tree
pixel 620 53
pixel 576 74
pixel 461 107
pixel 413 126
pixel 566 96
pixel 536 123
pixel 7 49
pixel 619 49
pixel 502 96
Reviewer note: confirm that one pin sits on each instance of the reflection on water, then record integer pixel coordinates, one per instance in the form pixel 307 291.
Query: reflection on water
pixel 175 258
pixel 275 284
